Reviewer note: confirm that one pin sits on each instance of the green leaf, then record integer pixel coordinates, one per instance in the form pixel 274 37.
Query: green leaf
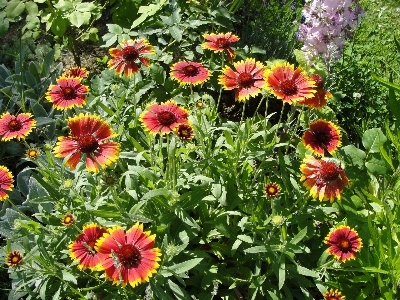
pixel 147 11
pixel 281 272
pixel 68 277
pixel 14 8
pixel 114 28
pixel 157 193
pixel 354 155
pixel 78 18
pixel 176 32
pixel 47 63
pixel 394 104
pixel 4 25
pixel 105 214
pixel 159 291
pixel 157 73
pixel 376 165
pixel 299 236
pixel 64 5
pixel 59 26
pixel 31 8
pixel 256 249
pixel 184 266
pixel 386 83
pixel 178 292
pixel 372 139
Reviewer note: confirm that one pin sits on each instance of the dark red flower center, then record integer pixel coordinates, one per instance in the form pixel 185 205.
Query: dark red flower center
pixel 223 43
pixel 318 80
pixel 288 87
pixel 332 298
pixel 344 245
pixel 68 93
pixel 130 53
pixel 88 143
pixel 129 256
pixel 190 70
pixel 329 171
pixel 14 125
pixel 245 80
pixel 166 118
pixel 91 244
pixel 322 138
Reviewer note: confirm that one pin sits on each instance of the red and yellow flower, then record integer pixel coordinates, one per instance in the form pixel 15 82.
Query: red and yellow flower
pixel 272 189
pixel 322 135
pixel 14 258
pixel 6 182
pixel 88 136
pixel 189 72
pixel 220 42
pixel 184 131
pixel 18 126
pixel 333 295
pixel 163 118
pixel 344 242
pixel 130 257
pixel 83 249
pixel 324 178
pixel 319 98
pixel 67 93
pixel 247 78
pixel 124 60
pixel 289 84
pixel 76 72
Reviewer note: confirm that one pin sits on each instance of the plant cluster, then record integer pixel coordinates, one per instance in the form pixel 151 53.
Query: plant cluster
pixel 130 184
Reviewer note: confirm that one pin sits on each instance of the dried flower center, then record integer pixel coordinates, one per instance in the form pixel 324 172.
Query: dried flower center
pixel 130 53
pixel 14 125
pixel 190 70
pixel 344 245
pixel 68 93
pixel 166 118
pixel 109 180
pixel 88 143
pixel 329 171
pixel 223 43
pixel 289 87
pixel 15 259
pixel 129 256
pixel 245 80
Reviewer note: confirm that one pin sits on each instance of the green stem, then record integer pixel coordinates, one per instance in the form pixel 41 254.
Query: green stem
pixel 295 129
pixel 279 122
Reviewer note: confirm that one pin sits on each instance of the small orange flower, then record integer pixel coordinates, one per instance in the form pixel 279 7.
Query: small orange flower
pixel 184 131
pixel 68 220
pixel 32 153
pixel 344 243
pixel 14 258
pixel 333 295
pixel 272 189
